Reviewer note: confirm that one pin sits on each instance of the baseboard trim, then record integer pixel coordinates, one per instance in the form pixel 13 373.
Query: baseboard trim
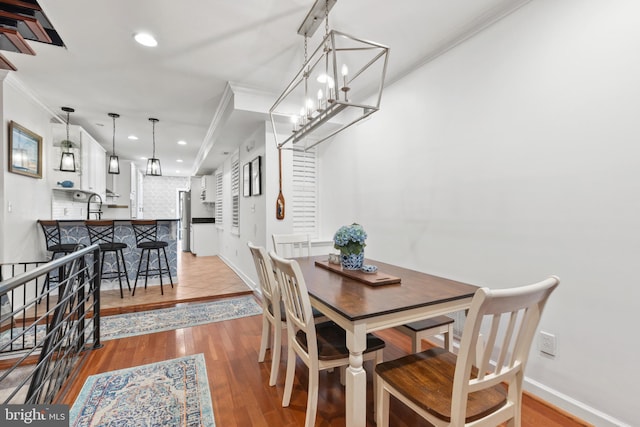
pixel 570 405
pixel 255 287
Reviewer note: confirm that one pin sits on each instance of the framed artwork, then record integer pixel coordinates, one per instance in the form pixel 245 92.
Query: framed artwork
pixel 25 151
pixel 256 187
pixel 246 180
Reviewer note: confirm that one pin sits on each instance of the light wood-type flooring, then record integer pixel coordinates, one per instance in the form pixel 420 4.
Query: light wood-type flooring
pixel 239 384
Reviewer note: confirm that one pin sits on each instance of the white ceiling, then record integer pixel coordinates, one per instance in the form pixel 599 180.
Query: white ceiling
pixel 202 46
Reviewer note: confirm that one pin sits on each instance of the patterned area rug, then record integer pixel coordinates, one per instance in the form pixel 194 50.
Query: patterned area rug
pixel 148 322
pixel 169 393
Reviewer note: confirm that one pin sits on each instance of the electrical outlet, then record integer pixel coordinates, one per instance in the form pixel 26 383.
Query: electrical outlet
pixel 547 343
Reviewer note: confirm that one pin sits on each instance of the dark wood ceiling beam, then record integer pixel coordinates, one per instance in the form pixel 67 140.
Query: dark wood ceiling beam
pixel 16 40
pixel 5 64
pixel 21 4
pixel 32 24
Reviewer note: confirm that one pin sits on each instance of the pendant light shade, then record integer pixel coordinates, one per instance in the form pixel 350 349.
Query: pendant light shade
pixel 153 164
pixel 114 163
pixel 67 160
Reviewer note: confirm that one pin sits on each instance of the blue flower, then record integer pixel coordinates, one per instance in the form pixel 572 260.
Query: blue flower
pixel 349 239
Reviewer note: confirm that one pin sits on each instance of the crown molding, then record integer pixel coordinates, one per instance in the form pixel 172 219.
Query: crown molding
pixel 17 84
pixel 474 28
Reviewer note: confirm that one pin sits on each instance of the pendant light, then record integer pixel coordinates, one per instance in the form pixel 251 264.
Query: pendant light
pixel 114 163
pixel 153 164
pixel 67 160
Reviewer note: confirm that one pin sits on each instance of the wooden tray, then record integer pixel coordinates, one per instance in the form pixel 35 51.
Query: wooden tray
pixel 372 279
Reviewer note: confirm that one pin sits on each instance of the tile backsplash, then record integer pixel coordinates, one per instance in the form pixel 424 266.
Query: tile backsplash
pixel 65 206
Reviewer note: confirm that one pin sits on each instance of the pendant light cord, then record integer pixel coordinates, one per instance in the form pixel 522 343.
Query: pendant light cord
pixel 67 132
pixel 113 142
pixel 153 123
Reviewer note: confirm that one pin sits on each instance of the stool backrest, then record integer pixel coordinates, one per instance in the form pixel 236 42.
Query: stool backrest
pixel 51 230
pixel 146 230
pixel 100 231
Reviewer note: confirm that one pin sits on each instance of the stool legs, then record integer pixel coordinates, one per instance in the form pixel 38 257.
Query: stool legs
pixel 119 257
pixel 147 271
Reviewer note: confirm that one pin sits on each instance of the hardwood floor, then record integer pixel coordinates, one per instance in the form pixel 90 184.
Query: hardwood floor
pixel 199 279
pixel 239 384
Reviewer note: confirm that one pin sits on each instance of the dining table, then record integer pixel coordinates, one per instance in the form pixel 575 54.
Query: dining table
pixel 367 302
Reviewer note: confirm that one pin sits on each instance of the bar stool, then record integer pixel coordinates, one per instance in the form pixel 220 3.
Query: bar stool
pixel 102 232
pixel 53 241
pixel 146 232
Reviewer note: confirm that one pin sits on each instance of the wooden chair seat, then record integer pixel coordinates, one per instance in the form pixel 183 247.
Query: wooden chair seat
pixel 332 342
pixel 426 379
pixel 283 315
pixel 423 329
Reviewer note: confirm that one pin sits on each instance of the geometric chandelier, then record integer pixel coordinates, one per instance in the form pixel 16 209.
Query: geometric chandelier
pixel 339 84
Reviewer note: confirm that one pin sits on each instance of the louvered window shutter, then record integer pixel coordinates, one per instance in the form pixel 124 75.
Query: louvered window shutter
pixel 305 193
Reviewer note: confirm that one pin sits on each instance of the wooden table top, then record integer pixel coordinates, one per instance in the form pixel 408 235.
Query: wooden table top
pixel 356 300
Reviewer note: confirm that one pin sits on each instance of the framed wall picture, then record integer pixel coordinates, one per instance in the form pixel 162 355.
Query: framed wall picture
pixel 25 151
pixel 256 170
pixel 246 180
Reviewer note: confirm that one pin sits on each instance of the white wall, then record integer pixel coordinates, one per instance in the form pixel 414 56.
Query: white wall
pixel 512 157
pixel 29 199
pixel 253 211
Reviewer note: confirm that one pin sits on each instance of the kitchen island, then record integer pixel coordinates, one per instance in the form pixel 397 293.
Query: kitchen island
pixel 74 231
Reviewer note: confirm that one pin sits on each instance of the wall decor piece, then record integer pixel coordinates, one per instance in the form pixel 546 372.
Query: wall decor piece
pixel 25 151
pixel 256 170
pixel 246 180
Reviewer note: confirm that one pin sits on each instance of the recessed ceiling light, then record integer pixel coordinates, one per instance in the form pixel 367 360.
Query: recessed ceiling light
pixel 133 137
pixel 145 39
pixel 143 158
pixel 182 142
pixel 179 160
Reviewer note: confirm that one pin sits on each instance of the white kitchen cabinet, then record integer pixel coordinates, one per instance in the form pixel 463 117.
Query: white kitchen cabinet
pixel 94 171
pixel 208 189
pixel 204 239
pixel 133 194
pixel 89 155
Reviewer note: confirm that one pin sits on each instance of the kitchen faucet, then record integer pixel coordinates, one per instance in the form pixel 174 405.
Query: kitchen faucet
pixel 99 211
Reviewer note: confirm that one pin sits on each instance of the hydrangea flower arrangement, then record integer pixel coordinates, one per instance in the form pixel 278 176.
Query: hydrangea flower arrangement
pixel 349 239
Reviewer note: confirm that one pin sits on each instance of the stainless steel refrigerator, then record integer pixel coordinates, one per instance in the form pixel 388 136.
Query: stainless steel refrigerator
pixel 185 220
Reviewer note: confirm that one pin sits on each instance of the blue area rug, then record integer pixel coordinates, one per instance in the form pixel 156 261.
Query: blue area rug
pixel 148 322
pixel 169 393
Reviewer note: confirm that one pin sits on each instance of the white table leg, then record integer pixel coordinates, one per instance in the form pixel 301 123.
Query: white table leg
pixel 356 387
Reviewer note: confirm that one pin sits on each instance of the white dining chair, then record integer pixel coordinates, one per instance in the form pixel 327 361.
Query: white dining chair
pixel 320 346
pixel 471 389
pixel 273 319
pixel 291 245
pixel 273 314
